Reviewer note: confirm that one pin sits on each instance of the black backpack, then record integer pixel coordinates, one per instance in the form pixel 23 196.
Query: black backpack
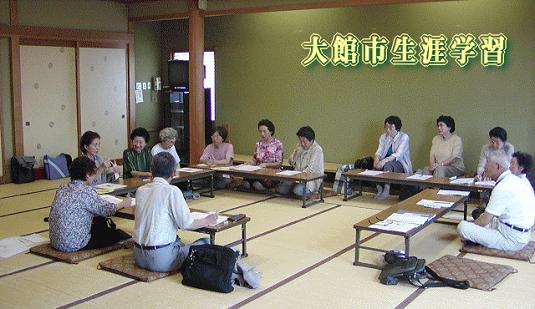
pixel 209 267
pixel 21 169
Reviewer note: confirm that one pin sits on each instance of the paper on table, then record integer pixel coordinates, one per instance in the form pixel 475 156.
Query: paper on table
pixel 419 177
pixel 248 168
pixel 189 170
pixel 112 186
pixel 394 226
pixel 462 181
pixel 202 215
pixel 402 222
pixel 453 192
pixel 434 204
pixel 221 168
pixel 116 200
pixel 289 173
pixel 371 172
pixel 486 183
pixel 15 245
pixel 202 165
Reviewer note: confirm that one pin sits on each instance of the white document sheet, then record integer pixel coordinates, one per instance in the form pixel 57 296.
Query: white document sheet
pixel 247 168
pixel 202 215
pixel 462 181
pixel 15 245
pixel 434 204
pixel 189 170
pixel 486 183
pixel 371 173
pixel 419 177
pixel 112 186
pixel 221 168
pixel 402 222
pixel 116 200
pixel 453 192
pixel 289 173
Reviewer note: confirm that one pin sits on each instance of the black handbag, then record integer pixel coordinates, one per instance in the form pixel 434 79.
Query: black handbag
pixel 209 267
pixel 21 169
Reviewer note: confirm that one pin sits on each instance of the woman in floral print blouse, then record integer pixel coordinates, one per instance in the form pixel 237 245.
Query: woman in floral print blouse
pixel 268 153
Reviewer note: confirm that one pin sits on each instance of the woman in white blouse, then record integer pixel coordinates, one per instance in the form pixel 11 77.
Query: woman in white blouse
pixel 393 153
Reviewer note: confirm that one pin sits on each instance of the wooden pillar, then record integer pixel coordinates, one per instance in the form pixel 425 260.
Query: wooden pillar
pixel 196 76
pixel 16 95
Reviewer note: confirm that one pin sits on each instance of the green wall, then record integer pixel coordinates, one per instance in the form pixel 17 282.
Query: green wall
pixel 4 12
pixel 74 14
pixel 147 54
pixel 259 76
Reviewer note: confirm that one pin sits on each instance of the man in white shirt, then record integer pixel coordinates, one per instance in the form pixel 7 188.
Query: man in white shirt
pixel 507 220
pixel 160 211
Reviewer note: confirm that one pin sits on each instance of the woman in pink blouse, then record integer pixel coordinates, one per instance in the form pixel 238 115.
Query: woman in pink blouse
pixel 268 153
pixel 219 153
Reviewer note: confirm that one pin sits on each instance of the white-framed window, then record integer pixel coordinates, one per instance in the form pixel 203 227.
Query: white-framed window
pixel 209 80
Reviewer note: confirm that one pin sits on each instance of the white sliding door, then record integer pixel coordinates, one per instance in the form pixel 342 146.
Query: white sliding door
pixel 48 84
pixel 103 98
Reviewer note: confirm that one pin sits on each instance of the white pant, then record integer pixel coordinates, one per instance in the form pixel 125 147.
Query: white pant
pixel 495 235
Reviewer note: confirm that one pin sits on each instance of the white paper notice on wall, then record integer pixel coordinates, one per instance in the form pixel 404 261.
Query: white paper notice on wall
pixel 139 96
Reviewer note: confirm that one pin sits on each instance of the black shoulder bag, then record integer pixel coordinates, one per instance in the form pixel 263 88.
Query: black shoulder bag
pixel 209 267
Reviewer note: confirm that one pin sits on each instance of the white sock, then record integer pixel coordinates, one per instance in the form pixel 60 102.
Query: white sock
pixel 386 190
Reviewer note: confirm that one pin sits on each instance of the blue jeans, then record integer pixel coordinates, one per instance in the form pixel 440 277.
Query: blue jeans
pixel 298 189
pixel 165 259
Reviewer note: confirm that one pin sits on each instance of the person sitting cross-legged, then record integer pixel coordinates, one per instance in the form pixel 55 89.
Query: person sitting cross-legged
pixel 307 157
pixel 160 211
pixel 507 220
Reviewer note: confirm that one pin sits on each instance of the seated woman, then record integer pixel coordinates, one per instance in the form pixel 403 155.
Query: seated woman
pixel 160 211
pixel 498 141
pixel 75 206
pixel 268 153
pixel 393 153
pixel 218 153
pixel 136 161
pixel 90 145
pixel 167 142
pixel 521 163
pixel 446 155
pixel 307 157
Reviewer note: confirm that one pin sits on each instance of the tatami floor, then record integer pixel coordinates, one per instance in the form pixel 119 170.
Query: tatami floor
pixel 305 256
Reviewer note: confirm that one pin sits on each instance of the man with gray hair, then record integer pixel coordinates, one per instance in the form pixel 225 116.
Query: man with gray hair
pixel 507 220
pixel 160 211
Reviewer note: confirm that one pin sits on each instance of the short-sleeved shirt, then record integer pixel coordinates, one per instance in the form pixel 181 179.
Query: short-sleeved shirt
pixel 444 148
pixel 160 211
pixel 136 161
pixel 71 215
pixel 156 149
pixel 224 151
pixel 270 152
pixel 513 202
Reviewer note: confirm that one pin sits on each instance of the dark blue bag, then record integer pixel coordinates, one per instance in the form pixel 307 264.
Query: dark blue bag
pixel 56 167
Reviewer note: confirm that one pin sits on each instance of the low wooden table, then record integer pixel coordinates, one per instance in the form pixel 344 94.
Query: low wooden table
pixel 132 184
pixel 272 174
pixel 401 179
pixel 408 205
pixel 129 213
